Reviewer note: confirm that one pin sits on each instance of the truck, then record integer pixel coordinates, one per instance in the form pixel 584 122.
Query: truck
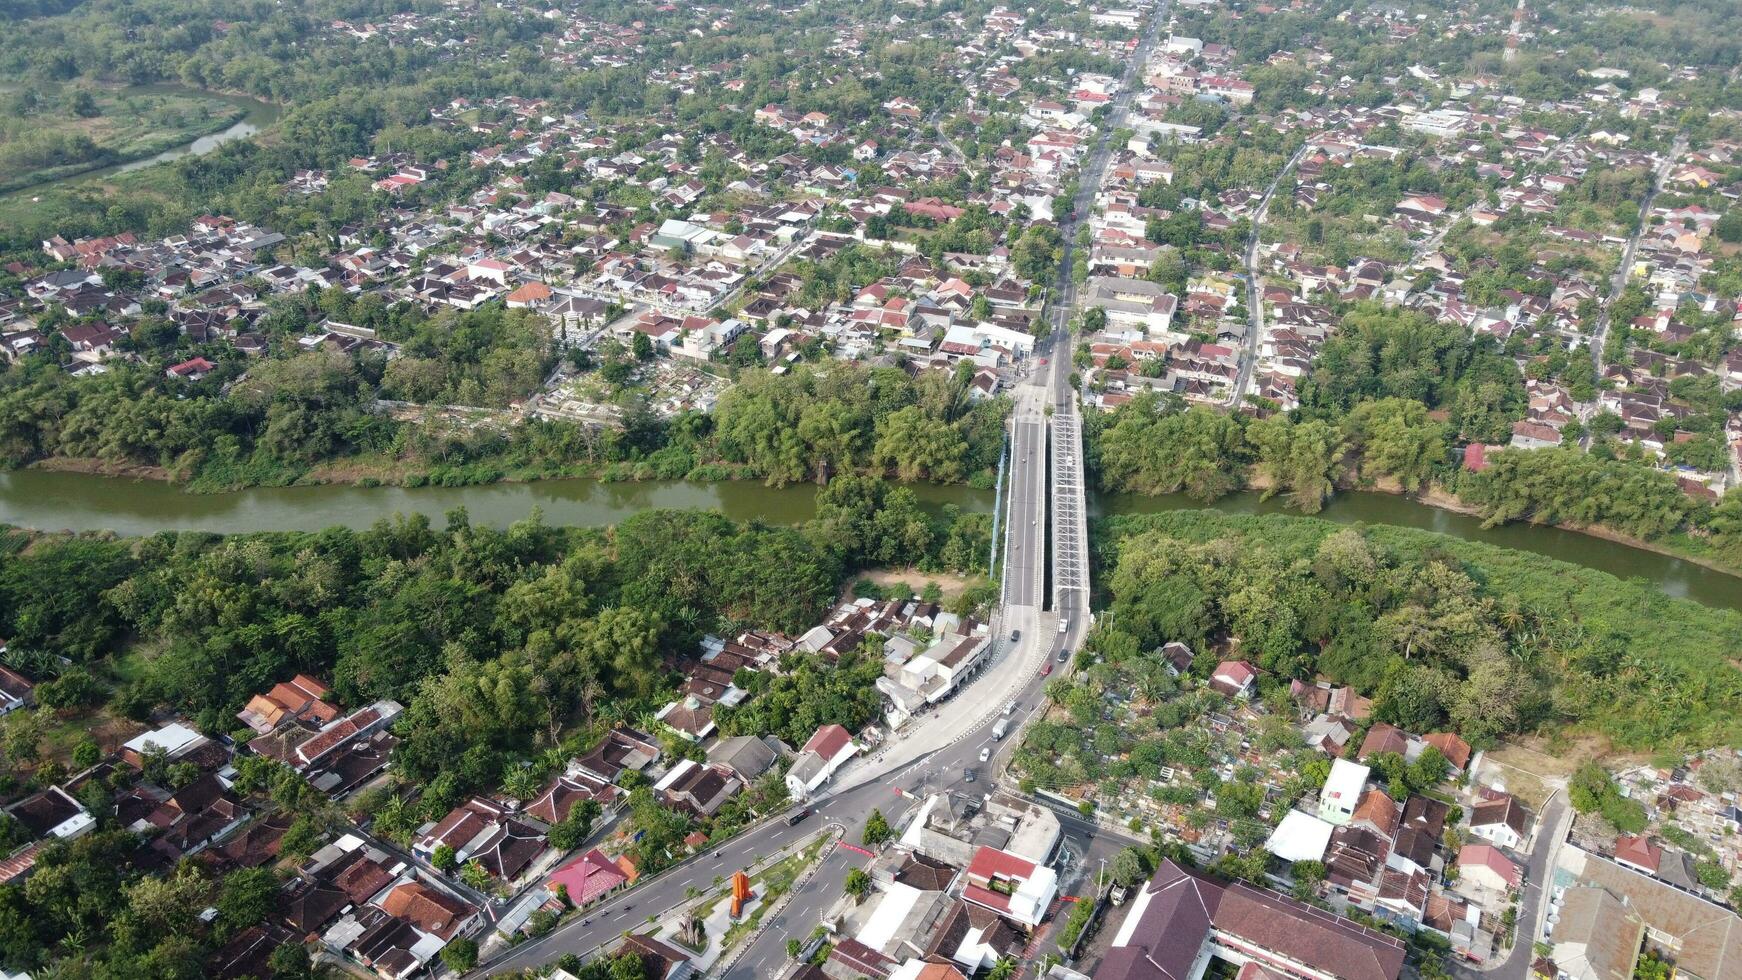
pixel 998 730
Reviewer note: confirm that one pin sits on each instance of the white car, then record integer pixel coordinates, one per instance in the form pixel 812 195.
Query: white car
pixel 985 753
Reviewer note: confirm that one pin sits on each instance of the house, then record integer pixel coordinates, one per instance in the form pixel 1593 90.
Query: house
pixel 1012 886
pixel 1501 821
pixel 487 832
pixel 558 801
pixel 190 370
pixel 587 878
pixel 822 755
pixel 1636 851
pixel 1182 920
pixel 1527 434
pixel 174 740
pixel 621 750
pixel 1485 866
pixel 698 788
pixel 1341 794
pixel 1457 752
pixel 52 813
pixel 529 296
pixel 747 756
pixel 1609 915
pixel 15 689
pixel 298 698
pixel 659 960
pixel 1300 837
pixel 1234 678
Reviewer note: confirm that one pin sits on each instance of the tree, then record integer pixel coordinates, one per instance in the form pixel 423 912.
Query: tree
pixel 1005 969
pixel 857 884
pixel 1301 459
pixel 1729 227
pixel 574 831
pixel 86 754
pixel 1130 868
pixel 460 954
pixel 1393 437
pixel 291 961
pixel 877 829
pixel 444 859
pixel 1153 447
pixel 642 347
pixel 247 896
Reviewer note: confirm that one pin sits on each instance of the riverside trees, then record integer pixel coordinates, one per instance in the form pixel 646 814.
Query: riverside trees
pixel 1437 631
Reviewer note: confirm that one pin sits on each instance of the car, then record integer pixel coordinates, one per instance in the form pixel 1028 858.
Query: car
pixel 1043 362
pixel 969 775
pixel 1046 670
pixel 1010 708
pixel 1064 654
pixel 985 753
pixel 800 815
pixel 1015 635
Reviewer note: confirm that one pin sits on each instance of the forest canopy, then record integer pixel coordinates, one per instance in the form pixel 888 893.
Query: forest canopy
pixel 1440 632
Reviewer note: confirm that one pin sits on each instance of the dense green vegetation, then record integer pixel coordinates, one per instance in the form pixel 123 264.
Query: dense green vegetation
pixel 49 131
pixel 1439 631
pixel 295 411
pixel 512 650
pixel 1387 400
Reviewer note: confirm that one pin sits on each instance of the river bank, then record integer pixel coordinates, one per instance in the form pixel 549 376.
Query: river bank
pixel 243 117
pixel 66 496
pixel 118 160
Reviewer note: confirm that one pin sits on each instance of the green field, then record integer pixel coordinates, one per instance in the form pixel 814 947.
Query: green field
pixel 48 134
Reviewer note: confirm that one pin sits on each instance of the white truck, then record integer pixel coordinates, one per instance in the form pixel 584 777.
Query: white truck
pixel 998 729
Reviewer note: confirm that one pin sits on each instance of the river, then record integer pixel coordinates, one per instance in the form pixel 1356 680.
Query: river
pixel 79 502
pixel 259 116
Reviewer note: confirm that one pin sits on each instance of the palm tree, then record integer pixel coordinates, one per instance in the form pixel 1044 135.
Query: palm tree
pixel 1004 969
pixel 520 783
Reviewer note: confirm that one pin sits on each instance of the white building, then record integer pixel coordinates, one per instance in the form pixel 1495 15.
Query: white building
pixel 1342 792
pixel 827 751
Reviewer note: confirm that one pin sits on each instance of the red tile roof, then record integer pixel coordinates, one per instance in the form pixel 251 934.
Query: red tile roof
pixel 829 741
pixel 588 877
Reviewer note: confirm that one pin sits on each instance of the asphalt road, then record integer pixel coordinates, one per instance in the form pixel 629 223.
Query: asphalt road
pixel 1025 529
pixel 942 770
pixel 1550 830
pixel 1255 299
pixel 1618 284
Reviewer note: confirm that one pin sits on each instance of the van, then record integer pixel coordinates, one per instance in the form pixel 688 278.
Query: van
pixel 1064 626
pixel 1000 728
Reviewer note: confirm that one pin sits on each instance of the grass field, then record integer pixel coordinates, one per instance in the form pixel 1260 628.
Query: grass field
pixel 44 137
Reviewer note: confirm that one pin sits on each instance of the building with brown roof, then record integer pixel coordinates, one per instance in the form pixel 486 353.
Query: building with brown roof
pixel 554 805
pixel 1378 812
pixel 1384 738
pixel 1182 919
pixel 698 788
pixel 1502 821
pixel 659 960
pixel 301 698
pixel 429 909
pixel 1615 913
